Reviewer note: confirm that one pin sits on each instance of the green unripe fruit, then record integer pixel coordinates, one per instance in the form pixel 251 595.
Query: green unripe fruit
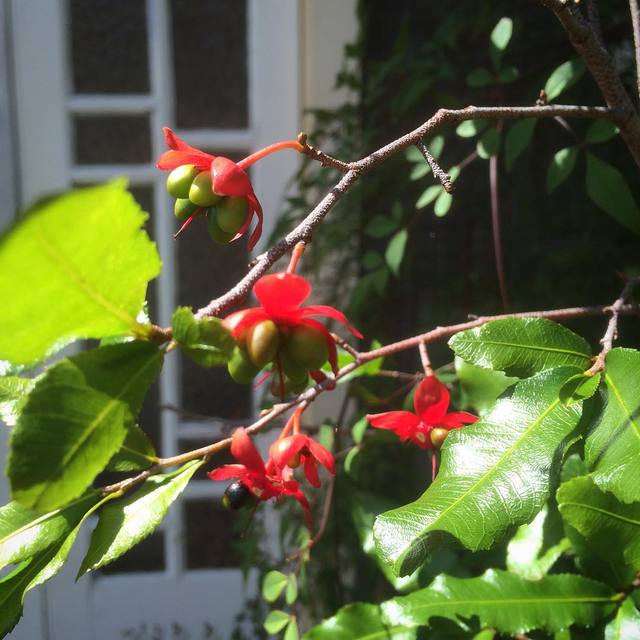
pixel 216 233
pixel 201 191
pixel 438 436
pixel 262 342
pixel 184 208
pixel 240 368
pixel 231 213
pixel 296 386
pixel 180 179
pixel 293 371
pixel 307 347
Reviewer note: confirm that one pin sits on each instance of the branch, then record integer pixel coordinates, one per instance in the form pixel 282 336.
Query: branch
pixel 442 117
pixel 602 68
pixel 308 396
pixel 635 21
pixel 612 327
pixel 445 178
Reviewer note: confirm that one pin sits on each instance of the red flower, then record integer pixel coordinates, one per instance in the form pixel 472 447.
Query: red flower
pixel 285 450
pixel 263 481
pixel 228 177
pixel 281 296
pixel 431 401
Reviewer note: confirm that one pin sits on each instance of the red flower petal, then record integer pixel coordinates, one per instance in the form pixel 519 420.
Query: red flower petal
pixel 256 207
pixel 431 400
pixel 394 420
pixel 301 498
pixel 228 179
pixel 228 471
pixel 239 321
pixel 322 455
pixel 243 449
pixel 311 471
pixel 458 419
pixel 329 312
pixel 281 451
pixel 281 293
pixel 182 153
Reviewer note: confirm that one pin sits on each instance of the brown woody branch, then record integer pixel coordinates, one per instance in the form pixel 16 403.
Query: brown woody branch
pixel 308 396
pixel 353 170
pixel 635 21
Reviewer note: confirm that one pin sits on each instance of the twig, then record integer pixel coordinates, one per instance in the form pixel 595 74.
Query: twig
pixel 424 358
pixel 343 344
pixel 612 327
pixel 399 375
pixel 495 227
pixel 635 21
pixel 437 171
pixel 308 396
pixel 441 118
pixel 323 158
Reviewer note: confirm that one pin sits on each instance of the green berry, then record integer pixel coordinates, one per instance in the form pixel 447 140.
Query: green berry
pixel 216 233
pixel 201 191
pixel 262 342
pixel 296 386
pixel 293 371
pixel 307 347
pixel 241 369
pixel 438 436
pixel 231 213
pixel 184 208
pixel 180 179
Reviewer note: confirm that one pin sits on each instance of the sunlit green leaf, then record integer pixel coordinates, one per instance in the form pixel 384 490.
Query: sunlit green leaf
pixel 273 585
pixel 561 167
pixel 395 251
pixel 13 394
pixel 600 131
pixel 470 128
pixel 276 621
pixel 625 624
pixel 563 77
pixel 489 143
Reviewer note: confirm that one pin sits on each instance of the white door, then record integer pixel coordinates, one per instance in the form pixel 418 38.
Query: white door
pixel 93 83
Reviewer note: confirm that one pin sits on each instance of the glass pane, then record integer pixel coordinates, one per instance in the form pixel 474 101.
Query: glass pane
pixel 109 46
pixel 144 557
pixel 111 139
pixel 205 270
pixel 210 536
pixel 210 63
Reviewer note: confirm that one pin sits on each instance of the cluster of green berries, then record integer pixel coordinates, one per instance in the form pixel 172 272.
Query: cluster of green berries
pixel 194 195
pixel 293 350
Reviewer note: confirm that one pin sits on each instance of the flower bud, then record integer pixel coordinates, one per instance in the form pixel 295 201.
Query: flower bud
pixel 262 342
pixel 307 347
pixel 438 436
pixel 231 214
pixel 240 367
pixel 236 496
pixel 180 179
pixel 184 208
pixel 201 190
pixel 216 233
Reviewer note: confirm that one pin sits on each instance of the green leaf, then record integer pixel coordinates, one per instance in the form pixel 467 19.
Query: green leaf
pixel 580 387
pixel 291 594
pixel 612 449
pixel 489 143
pixel 609 190
pixel 563 77
pixel 380 226
pixel 517 140
pixel 429 195
pixel 508 74
pixel 276 621
pixel 372 260
pixel 611 529
pixel 13 394
pixel 76 419
pixel 24 533
pixel 561 167
pixel 206 341
pixel 128 521
pixel 494 474
pixel 479 77
pixel 600 131
pixel 481 387
pixel 521 346
pixel 500 37
pixel 292 630
pixel 273 585
pixel 358 430
pixel 499 599
pixel 35 571
pixel 86 276
pixel 135 453
pixel 625 624
pixel 419 171
pixel 395 251
pixel 525 556
pixel 443 204
pixel 470 128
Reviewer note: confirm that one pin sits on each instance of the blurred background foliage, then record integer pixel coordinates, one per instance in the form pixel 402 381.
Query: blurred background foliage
pixel 403 257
